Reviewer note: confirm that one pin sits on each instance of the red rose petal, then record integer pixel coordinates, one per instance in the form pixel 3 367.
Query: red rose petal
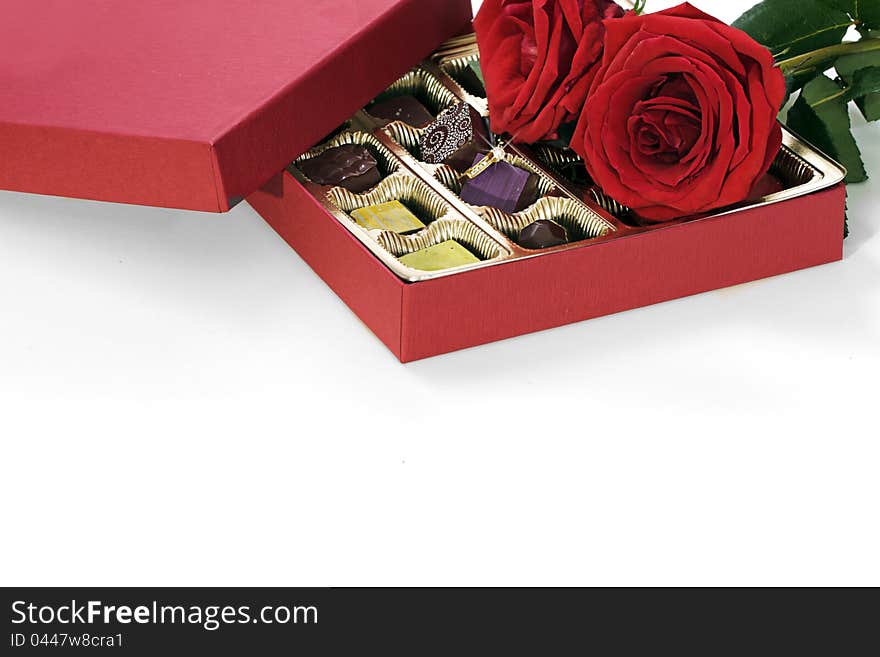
pixel 681 116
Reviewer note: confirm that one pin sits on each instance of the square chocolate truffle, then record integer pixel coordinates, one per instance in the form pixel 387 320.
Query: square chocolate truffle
pixel 446 255
pixel 503 186
pixel 350 166
pixel 542 234
pixel 402 108
pixel 392 216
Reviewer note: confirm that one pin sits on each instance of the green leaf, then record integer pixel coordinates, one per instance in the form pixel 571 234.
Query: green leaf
pixel 796 80
pixel 794 27
pixel 847 68
pixel 864 12
pixel 864 83
pixel 869 106
pixel 821 116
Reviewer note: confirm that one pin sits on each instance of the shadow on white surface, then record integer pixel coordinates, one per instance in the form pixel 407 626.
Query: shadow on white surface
pixel 864 197
pixel 202 283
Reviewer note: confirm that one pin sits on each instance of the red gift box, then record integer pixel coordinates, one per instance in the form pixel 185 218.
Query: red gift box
pixel 638 268
pixel 189 104
pixel 176 104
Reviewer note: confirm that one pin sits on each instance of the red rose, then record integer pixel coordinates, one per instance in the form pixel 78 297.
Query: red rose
pixel 538 58
pixel 681 116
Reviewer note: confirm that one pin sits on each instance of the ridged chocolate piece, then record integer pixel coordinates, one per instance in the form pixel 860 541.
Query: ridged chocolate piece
pixel 501 186
pixel 542 234
pixel 402 108
pixel 350 166
pixel 455 138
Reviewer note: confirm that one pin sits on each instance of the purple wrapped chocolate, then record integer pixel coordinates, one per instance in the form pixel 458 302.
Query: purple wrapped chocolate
pixel 501 186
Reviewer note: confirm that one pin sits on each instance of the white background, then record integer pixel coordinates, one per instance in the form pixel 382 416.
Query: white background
pixel 182 401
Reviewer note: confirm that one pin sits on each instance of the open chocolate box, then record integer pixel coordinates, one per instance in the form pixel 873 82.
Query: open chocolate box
pixel 609 264
pixel 157 103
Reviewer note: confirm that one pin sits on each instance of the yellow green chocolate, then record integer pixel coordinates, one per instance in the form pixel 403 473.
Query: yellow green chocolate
pixel 446 255
pixel 392 216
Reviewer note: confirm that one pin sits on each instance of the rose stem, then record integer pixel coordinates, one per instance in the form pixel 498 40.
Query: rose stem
pixel 813 59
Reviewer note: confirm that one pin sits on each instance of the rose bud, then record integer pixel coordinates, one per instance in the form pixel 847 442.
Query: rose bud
pixel 538 58
pixel 681 116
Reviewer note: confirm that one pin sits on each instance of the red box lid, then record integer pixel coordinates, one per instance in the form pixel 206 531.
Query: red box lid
pixel 192 104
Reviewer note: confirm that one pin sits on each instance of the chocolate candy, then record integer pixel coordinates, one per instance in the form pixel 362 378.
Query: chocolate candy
pixel 445 255
pixel 350 166
pixel 501 186
pixel 392 216
pixel 542 234
pixel 402 108
pixel 472 81
pixel 455 138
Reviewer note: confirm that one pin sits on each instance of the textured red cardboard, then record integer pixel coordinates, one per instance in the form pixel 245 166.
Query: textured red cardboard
pixel 189 104
pixel 419 320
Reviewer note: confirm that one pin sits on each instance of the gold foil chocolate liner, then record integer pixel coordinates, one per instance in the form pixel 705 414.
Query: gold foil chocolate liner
pixel 453 67
pixel 462 42
pixel 425 86
pixel 409 190
pixel 612 207
pixel 791 169
pixel 452 59
pixel 407 137
pixel 580 222
pixel 388 162
pixel 444 222
pixel 556 158
pixel 458 229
